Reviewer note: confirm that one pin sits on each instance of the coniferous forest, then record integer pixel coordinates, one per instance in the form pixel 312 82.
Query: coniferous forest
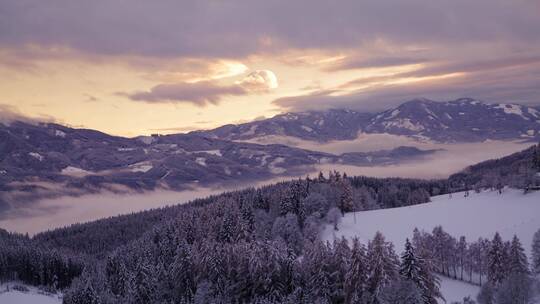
pixel 262 246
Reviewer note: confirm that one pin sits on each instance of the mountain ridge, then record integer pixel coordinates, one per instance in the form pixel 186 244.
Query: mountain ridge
pixel 460 120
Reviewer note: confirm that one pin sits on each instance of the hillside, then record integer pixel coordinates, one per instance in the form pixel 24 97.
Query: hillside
pixel 478 215
pixel 518 170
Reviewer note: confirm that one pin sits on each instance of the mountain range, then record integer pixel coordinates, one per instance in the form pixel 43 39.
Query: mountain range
pixel 461 120
pixel 42 159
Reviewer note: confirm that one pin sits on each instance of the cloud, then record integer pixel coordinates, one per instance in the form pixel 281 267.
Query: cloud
pixel 198 93
pixel 259 80
pixel 509 83
pixel 240 28
pixel 203 93
pixel 10 114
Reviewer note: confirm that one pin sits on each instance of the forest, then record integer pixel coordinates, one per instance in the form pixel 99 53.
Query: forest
pixel 261 245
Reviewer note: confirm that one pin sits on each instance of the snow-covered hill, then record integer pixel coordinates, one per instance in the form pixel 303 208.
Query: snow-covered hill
pixel 478 215
pixel 8 295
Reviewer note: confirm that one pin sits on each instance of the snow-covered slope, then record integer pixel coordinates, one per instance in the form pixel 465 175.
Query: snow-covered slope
pixel 478 215
pixel 455 290
pixel 32 296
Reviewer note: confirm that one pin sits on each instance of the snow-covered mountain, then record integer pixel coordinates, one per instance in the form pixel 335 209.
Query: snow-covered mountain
pixel 461 120
pixel 317 126
pixel 34 156
pixel 464 119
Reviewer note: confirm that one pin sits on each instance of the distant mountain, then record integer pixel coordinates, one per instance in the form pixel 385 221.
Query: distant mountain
pixel 465 119
pixel 51 158
pixel 316 126
pixel 461 120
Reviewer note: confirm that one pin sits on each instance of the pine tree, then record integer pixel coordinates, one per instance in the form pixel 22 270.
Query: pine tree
pixel 410 266
pixel 416 270
pixel 355 279
pixel 518 259
pixel 383 264
pixel 182 273
pixel 144 287
pixel 496 263
pixel 227 231
pixel 536 253
pixel 346 201
pixel 116 275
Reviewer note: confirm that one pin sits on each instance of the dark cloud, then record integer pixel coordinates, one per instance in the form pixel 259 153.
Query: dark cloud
pixel 510 84
pixel 202 93
pixel 238 28
pixel 199 93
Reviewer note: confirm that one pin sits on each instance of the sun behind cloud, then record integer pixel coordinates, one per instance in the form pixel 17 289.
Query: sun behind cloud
pixel 260 80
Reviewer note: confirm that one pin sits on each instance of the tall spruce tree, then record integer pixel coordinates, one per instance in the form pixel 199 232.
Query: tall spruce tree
pixel 415 269
pixel 518 259
pixel 496 263
pixel 535 265
pixel 383 265
pixel 355 279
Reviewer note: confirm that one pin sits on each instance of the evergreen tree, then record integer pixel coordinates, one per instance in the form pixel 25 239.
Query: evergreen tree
pixel 486 294
pixel 355 279
pixel 84 294
pixel 496 262
pixel 536 253
pixel 227 231
pixel 116 275
pixel 182 273
pixel 346 201
pixel 416 270
pixel 144 286
pixel 383 265
pixel 518 258
pixel 516 289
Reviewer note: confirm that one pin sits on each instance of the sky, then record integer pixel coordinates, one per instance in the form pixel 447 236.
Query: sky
pixel 141 67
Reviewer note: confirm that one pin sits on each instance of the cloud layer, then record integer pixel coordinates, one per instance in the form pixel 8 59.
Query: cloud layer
pixel 198 51
pixel 237 28
pixel 203 93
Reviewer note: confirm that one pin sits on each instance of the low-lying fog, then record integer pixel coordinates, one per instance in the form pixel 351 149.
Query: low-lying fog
pixel 53 213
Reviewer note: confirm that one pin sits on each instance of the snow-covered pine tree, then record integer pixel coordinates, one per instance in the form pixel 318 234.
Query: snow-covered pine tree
pixel 518 258
pixel 496 263
pixel 355 279
pixel 144 287
pixel 182 273
pixel 382 264
pixel 116 275
pixel 415 269
pixel 227 230
pixel 535 265
pixel 346 200
pixel 410 266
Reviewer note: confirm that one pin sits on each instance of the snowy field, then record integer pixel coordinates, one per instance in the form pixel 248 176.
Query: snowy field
pixel 479 215
pixel 33 296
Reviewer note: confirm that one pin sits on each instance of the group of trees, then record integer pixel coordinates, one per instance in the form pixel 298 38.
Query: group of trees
pixel 259 272
pixel 501 267
pixel 518 170
pixel 22 259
